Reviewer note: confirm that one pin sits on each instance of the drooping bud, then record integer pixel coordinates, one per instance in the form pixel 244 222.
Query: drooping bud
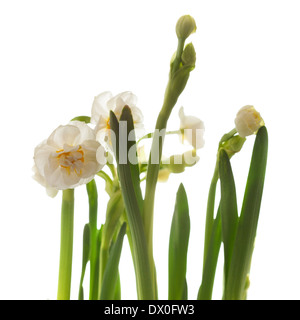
pixel 248 121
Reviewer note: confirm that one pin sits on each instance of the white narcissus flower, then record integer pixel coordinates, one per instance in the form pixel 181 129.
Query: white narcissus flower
pixel 248 121
pixel 106 102
pixel 68 158
pixel 192 129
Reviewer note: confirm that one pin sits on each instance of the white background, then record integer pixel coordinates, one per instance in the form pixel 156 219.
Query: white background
pixel 57 55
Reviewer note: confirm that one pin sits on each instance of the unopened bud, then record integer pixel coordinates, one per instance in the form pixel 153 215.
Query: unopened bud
pixel 233 145
pixel 248 121
pixel 185 26
pixel 188 56
pixel 163 175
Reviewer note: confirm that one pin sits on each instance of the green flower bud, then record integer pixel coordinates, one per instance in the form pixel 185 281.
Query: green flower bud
pixel 233 145
pixel 188 57
pixel 185 26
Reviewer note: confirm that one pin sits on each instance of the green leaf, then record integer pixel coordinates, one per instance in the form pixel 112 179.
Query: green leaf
pixel 85 119
pixel 85 258
pixel 210 264
pixel 114 210
pixel 228 207
pixel 118 289
pixel 110 277
pixel 178 246
pixel 132 158
pixel 129 182
pixel 246 232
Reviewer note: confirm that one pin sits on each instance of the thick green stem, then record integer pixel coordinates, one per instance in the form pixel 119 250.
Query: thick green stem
pixel 66 245
pixel 171 96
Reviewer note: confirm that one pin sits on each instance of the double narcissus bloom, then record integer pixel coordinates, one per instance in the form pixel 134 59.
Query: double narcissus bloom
pixel 106 102
pixel 192 129
pixel 74 153
pixel 248 121
pixel 68 158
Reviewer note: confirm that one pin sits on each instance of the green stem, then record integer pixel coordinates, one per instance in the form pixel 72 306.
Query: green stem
pixel 209 221
pixel 227 136
pixel 66 245
pixel 170 99
pixel 94 252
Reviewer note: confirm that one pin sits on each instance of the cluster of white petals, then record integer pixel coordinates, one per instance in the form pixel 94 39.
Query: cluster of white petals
pixel 106 102
pixel 68 158
pixel 248 121
pixel 192 129
pixel 74 153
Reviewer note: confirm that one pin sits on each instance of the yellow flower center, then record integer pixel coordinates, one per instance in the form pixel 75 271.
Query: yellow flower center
pixel 71 159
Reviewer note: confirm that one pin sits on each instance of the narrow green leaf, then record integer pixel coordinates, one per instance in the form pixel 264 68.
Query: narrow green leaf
pixel 185 291
pixel 210 265
pixel 85 258
pixel 118 289
pixel 110 277
pixel 246 232
pixel 126 116
pixel 114 210
pixel 178 246
pixel 228 207
pixel 132 201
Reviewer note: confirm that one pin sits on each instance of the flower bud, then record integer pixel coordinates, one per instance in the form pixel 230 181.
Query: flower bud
pixel 233 145
pixel 163 175
pixel 248 121
pixel 188 56
pixel 185 26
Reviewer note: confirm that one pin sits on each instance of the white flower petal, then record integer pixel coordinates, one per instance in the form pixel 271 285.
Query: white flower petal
pixel 41 155
pixel 63 135
pixel 121 100
pixel 86 133
pixel 116 104
pixel 99 106
pixel 193 129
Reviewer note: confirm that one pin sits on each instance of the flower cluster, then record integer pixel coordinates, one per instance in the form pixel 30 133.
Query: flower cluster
pixel 74 153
